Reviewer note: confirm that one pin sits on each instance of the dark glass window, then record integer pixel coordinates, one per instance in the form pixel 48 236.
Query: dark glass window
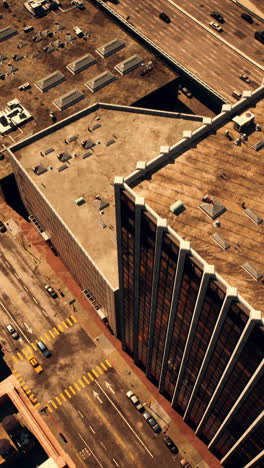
pixel 248 450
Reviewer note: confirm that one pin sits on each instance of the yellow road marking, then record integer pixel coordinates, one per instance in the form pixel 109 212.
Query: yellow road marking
pixel 22 383
pixel 103 366
pixel 58 400
pixel 34 346
pixel 53 404
pixel 51 334
pixel 67 393
pixel 116 435
pixel 81 382
pixel 49 408
pixel 34 400
pixel 29 348
pixel 72 390
pixel 32 396
pixel 47 336
pixel 28 392
pixel 63 397
pixel 95 373
pixel 68 320
pixel 19 379
pixel 56 331
pixel 37 404
pixel 42 339
pixel 15 359
pixel 76 386
pixel 20 355
pixel 25 387
pixel 86 380
pixel 60 328
pixel 99 370
pixel 90 376
pixel 24 352
pixel 73 318
pixel 108 363
pixel 65 324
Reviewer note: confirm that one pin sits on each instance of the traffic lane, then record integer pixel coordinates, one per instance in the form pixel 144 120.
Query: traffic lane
pixel 221 71
pixel 235 30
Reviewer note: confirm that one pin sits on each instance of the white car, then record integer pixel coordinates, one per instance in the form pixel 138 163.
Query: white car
pixel 12 331
pixel 136 402
pixel 216 26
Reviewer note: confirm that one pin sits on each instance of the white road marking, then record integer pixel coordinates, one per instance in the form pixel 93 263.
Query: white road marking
pixel 82 416
pixel 13 320
pixel 28 328
pixel 115 462
pixel 109 386
pixel 95 457
pixel 16 275
pixel 103 446
pixel 44 312
pixel 7 264
pixel 124 419
pixel 25 287
pixel 96 395
pixel 35 300
pixel 93 431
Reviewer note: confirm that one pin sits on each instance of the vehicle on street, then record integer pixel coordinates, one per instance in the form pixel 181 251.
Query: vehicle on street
pixel 43 348
pixel 51 291
pixel 135 400
pixel 245 78
pixel 259 35
pixel 35 364
pixel 62 436
pixel 2 227
pixel 247 18
pixel 12 331
pixel 217 16
pixel 152 422
pixel 185 463
pixel 170 444
pixel 216 26
pixel 165 17
pixel 187 92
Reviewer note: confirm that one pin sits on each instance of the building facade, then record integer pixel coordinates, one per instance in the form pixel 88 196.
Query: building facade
pixel 195 338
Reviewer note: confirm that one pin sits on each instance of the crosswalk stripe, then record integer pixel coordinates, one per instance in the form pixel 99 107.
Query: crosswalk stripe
pixel 51 334
pixel 65 324
pixel 34 346
pixel 22 383
pixel 47 336
pixel 81 382
pixel 60 328
pixel 99 370
pixel 42 339
pixel 63 397
pixel 34 400
pixel 15 359
pixel 29 348
pixel 19 379
pixel 53 404
pixel 58 400
pixel 76 386
pixel 67 393
pixel 68 320
pixel 28 392
pixel 90 376
pixel 86 380
pixel 73 318
pixel 95 373
pixel 32 396
pixel 20 355
pixel 103 366
pixel 72 390
pixel 108 363
pixel 37 404
pixel 49 408
pixel 56 331
pixel 24 352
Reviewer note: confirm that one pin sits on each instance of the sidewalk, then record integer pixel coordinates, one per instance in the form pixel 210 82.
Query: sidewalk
pixel 52 269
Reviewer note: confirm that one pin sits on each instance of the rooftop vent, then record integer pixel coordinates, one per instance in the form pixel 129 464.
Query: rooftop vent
pixel 68 99
pixel 71 139
pixel 95 127
pixel 252 271
pixel 129 64
pixel 39 169
pixel 211 207
pixel 110 142
pixel 64 157
pixel 101 204
pixel 258 145
pixel 87 144
pixel 86 155
pixel 61 168
pixel 80 201
pixel 177 207
pixel 48 151
pixel 110 48
pixel 255 218
pixel 81 64
pixel 220 241
pixel 100 81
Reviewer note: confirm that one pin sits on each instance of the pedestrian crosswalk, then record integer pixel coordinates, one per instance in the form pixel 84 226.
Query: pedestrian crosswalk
pixel 46 337
pixel 26 389
pixel 77 386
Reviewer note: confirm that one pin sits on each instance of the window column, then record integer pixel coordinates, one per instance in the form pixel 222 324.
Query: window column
pixel 118 186
pixel 258 461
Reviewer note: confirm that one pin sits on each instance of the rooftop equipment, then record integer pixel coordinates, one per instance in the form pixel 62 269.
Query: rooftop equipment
pixel 244 121
pixel 177 207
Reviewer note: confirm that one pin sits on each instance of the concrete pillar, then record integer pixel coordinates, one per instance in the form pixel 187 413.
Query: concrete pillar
pixel 139 206
pixel 118 186
pixel 208 273
pixel 255 316
pixel 161 227
pixel 231 293
pixel 258 421
pixel 247 390
pixel 258 460
pixel 184 249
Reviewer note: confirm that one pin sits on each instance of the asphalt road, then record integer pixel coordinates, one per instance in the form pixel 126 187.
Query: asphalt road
pixel 83 396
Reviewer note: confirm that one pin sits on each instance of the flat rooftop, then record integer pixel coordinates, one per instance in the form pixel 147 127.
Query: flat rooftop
pixel 233 175
pixel 133 136
pixel 190 40
pixel 58 28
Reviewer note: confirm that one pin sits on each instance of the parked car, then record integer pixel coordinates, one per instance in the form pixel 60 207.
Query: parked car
pixel 51 291
pixel 35 364
pixel 259 35
pixel 152 422
pixel 247 18
pixel 2 227
pixel 216 26
pixel 170 444
pixel 165 17
pixel 236 94
pixel 217 16
pixel 185 463
pixel 12 331
pixel 136 402
pixel 245 78
pixel 43 348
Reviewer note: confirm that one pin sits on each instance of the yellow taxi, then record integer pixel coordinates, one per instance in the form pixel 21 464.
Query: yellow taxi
pixel 35 364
